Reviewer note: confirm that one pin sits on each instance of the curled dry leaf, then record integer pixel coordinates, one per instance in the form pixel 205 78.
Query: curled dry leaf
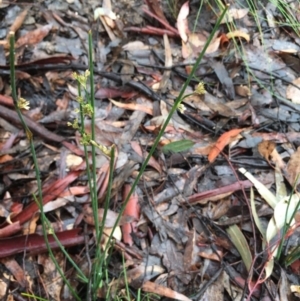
pixel 265 148
pixel 182 23
pixel 238 34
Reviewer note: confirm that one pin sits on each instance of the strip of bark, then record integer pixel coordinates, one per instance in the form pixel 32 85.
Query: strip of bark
pixel 34 243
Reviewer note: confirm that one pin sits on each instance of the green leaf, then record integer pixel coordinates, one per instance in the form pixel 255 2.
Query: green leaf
pixel 178 146
pixel 240 242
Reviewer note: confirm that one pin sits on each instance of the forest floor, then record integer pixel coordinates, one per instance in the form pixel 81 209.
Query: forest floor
pixel 214 215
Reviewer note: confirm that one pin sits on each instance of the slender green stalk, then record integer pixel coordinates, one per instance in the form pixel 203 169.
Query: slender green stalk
pixel 198 15
pixel 34 297
pixel 101 259
pixel 46 222
pixel 93 129
pixel 82 131
pixel 34 158
pixel 125 278
pixel 97 268
pixel 138 298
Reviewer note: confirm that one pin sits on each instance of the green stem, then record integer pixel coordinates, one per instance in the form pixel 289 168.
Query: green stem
pixel 35 162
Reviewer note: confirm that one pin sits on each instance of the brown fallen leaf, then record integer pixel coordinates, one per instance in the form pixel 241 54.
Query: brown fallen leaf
pixel 209 254
pixel 34 37
pixel 15 269
pixel 223 140
pixel 265 148
pixel 196 43
pixel 242 90
pixel 133 106
pixel 152 287
pixel 51 277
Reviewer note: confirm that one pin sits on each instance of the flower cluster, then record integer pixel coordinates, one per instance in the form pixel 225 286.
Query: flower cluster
pixel 200 89
pixel 86 110
pixel 23 104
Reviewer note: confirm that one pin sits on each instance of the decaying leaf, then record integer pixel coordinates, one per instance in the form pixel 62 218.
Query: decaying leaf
pixel 196 43
pixel 51 277
pixel 155 288
pixel 265 148
pixel 224 140
pixel 34 37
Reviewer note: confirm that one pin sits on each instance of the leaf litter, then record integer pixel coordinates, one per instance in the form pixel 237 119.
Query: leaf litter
pixel 192 227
